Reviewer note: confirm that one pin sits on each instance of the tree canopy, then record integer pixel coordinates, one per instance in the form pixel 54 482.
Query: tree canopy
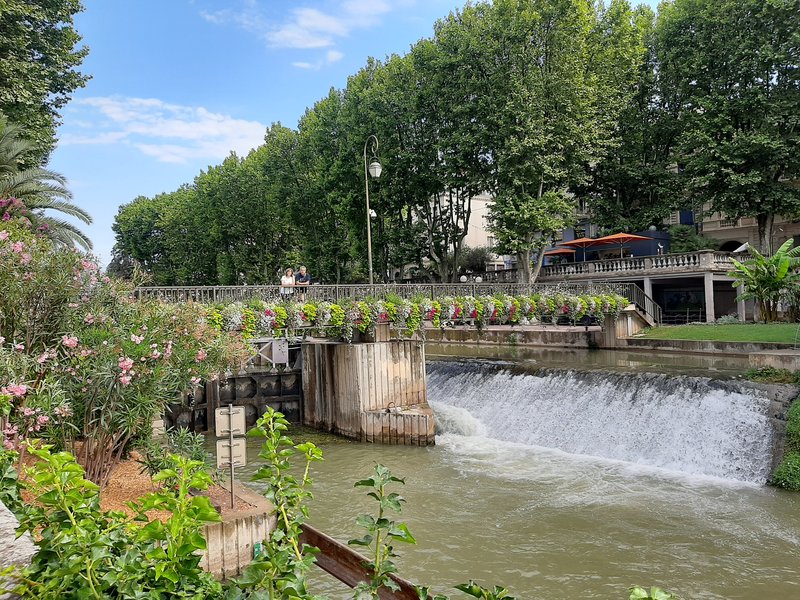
pixel 38 70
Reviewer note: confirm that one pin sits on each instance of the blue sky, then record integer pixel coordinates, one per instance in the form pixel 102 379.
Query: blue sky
pixel 177 84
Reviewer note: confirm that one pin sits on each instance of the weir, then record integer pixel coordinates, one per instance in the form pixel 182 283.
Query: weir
pixel 694 425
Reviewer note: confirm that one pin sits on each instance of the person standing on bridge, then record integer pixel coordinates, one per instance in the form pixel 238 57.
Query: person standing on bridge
pixel 287 285
pixel 302 280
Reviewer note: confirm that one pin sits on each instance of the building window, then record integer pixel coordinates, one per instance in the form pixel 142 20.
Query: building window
pixel 490 241
pixel 729 223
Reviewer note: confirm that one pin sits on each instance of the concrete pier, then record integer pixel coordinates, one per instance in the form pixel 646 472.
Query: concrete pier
pixel 372 392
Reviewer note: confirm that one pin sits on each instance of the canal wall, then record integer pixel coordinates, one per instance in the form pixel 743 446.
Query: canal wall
pixel 255 389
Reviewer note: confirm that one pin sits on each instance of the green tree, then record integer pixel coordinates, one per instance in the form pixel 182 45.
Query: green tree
pixel 769 279
pixel 40 189
pixel 38 67
pixel 684 238
pixel 734 66
pixel 635 184
pixel 140 240
pixel 547 80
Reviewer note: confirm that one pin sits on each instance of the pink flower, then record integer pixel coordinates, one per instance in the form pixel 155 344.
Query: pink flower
pixel 4 235
pixel 125 379
pixel 26 258
pixel 70 341
pixel 43 358
pixel 195 380
pixel 155 354
pixel 201 355
pixel 125 363
pixel 16 390
pixel 137 339
pixel 19 347
pixel 6 216
pixel 89 318
pixel 17 247
pixel 42 419
pixel 2 340
pixel 88 265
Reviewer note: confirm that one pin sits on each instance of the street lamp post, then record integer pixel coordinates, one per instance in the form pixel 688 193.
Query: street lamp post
pixel 373 169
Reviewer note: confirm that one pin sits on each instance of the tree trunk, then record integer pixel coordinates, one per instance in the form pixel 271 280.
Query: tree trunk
pixel 538 268
pixel 524 266
pixel 765 229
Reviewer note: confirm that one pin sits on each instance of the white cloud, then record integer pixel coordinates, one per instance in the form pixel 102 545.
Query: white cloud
pixel 169 132
pixel 307 28
pixel 333 56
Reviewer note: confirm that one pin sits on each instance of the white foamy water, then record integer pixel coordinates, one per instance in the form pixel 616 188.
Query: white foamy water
pixel 684 424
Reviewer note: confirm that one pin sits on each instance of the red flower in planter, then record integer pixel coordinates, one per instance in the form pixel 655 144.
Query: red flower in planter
pixel 565 309
pixel 474 314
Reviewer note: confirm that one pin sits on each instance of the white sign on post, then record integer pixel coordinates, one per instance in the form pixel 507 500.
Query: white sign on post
pixel 231 451
pixel 230 420
pixel 238 450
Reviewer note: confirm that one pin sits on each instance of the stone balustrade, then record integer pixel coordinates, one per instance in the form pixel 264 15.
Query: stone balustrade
pixel 703 261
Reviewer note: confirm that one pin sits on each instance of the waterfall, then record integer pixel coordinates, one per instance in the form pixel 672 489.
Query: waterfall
pixel 694 425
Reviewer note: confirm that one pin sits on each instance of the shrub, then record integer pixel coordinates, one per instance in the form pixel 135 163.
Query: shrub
pixel 787 475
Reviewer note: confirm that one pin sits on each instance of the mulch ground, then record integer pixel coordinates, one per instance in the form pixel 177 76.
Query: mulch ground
pixel 128 482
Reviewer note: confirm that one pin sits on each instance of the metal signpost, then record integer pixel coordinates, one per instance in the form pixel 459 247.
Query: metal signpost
pixel 231 452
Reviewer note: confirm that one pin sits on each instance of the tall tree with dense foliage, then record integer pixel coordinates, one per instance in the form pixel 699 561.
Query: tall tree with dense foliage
pixel 636 185
pixel 547 78
pixel 735 65
pixel 540 119
pixel 38 70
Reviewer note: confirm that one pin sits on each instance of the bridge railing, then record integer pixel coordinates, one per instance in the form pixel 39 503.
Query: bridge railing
pixel 338 293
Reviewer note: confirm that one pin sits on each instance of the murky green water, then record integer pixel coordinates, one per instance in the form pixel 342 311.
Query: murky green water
pixel 551 526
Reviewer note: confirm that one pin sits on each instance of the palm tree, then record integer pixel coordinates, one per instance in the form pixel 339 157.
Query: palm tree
pixel 769 279
pixel 40 189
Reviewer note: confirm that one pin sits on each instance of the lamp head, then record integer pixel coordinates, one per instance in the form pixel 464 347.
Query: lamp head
pixel 375 168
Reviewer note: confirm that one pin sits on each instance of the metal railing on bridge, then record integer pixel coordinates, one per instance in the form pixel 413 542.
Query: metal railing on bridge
pixel 338 293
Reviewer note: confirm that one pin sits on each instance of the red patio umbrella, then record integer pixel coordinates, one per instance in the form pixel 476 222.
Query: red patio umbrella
pixel 621 239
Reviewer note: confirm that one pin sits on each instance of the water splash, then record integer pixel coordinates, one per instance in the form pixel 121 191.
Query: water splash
pixel 689 424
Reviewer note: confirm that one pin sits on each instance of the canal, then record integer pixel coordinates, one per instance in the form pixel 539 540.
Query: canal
pixel 551 524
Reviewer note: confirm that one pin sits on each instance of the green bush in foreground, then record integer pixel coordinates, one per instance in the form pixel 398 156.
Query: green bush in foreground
pixel 793 428
pixel 787 475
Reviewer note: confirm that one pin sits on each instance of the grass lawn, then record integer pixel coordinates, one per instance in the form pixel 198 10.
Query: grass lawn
pixel 743 332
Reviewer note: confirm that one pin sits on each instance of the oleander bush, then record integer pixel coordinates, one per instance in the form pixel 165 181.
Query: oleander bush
pixel 84 365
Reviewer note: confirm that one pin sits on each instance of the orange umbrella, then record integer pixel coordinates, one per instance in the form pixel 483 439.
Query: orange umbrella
pixel 583 242
pixel 621 239
pixel 559 252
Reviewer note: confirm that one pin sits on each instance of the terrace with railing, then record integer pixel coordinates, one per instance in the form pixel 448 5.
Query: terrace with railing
pixel 700 262
pixel 690 263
